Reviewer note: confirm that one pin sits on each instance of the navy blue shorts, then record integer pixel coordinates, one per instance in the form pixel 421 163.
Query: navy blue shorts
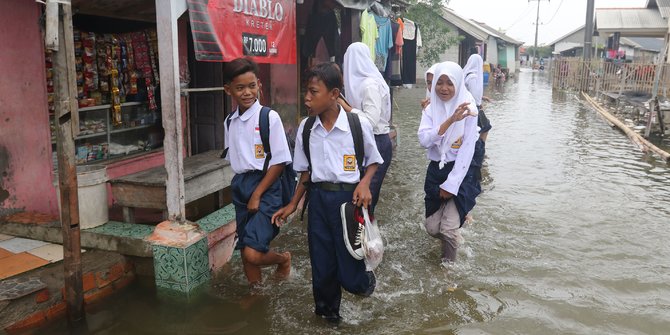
pixel 255 230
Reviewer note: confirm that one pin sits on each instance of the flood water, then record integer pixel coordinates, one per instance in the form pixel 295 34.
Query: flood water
pixel 570 236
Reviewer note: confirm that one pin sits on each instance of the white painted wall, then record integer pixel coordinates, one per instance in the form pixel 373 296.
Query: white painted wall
pixel 491 51
pixel 450 54
pixel 511 59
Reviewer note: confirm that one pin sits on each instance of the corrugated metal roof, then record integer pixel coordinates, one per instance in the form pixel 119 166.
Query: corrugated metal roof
pixel 464 24
pixel 627 41
pixel 631 22
pixel 567 35
pixel 497 33
pixel 662 5
pixel 664 8
pixel 648 43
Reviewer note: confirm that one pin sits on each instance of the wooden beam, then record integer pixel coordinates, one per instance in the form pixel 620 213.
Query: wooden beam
pixel 67 169
pixel 642 143
pixel 71 69
pixel 168 60
pixel 51 31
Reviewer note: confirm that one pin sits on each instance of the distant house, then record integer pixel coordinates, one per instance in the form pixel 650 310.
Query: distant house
pixel 507 48
pixel 494 46
pixel 641 30
pixel 628 22
pixel 641 49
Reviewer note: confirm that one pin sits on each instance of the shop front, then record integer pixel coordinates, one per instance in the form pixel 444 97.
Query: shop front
pixel 118 79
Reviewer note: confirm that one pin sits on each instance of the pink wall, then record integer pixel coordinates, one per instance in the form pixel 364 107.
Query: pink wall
pixel 25 147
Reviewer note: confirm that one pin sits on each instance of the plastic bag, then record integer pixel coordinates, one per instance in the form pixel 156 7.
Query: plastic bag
pixel 373 245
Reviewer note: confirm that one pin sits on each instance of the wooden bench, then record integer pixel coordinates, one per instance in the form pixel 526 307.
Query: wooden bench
pixel 204 174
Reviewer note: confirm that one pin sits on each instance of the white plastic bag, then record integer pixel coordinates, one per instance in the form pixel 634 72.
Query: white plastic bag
pixel 373 245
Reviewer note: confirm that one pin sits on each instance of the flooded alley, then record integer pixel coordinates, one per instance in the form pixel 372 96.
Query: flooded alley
pixel 570 236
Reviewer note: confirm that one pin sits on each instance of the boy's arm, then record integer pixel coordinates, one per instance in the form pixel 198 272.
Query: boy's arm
pixel 270 177
pixel 362 194
pixel 279 218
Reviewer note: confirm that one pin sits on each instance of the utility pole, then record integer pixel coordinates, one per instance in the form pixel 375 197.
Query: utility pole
pixel 588 41
pixel 588 31
pixel 537 26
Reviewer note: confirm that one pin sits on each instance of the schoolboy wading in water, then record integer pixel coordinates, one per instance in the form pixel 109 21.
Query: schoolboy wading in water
pixel 256 193
pixel 332 176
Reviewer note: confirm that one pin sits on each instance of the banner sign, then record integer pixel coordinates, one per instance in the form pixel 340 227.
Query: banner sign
pixel 263 30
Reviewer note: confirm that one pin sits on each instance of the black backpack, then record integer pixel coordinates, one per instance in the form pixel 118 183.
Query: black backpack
pixel 288 178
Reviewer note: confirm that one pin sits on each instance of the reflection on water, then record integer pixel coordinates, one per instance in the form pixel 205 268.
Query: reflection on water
pixel 570 236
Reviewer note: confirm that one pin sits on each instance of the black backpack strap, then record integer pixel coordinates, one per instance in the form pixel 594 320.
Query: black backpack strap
pixel 357 134
pixel 306 133
pixel 227 121
pixel 264 129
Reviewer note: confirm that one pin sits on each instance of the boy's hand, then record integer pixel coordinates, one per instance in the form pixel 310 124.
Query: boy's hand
pixel 254 203
pixel 279 218
pixel 444 195
pixel 362 195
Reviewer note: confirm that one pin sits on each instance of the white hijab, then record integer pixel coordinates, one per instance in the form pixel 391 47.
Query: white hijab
pixel 475 83
pixel 441 110
pixel 358 67
pixel 431 70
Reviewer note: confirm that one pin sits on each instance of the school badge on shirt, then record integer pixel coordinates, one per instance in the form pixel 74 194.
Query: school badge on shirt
pixel 349 163
pixel 458 143
pixel 258 150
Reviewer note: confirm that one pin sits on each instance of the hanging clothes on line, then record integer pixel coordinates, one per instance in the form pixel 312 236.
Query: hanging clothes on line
pixel 412 40
pixel 384 41
pixel 393 67
pixel 369 32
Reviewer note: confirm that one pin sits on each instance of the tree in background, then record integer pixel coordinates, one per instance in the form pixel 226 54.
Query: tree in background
pixel 434 32
pixel 542 52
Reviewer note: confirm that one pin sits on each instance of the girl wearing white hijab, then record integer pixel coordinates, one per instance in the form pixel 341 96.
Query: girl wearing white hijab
pixel 474 82
pixel 429 81
pixel 367 94
pixel 449 131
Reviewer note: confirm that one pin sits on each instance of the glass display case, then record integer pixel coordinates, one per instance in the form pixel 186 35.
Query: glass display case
pixel 99 139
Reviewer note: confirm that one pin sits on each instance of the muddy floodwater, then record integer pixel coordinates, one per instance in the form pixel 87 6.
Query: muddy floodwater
pixel 571 235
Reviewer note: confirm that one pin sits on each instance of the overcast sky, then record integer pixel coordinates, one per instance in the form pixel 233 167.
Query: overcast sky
pixel 557 17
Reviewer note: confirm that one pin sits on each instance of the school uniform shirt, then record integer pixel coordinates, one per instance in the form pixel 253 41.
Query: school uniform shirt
pixel 375 108
pixel 243 140
pixel 457 144
pixel 333 155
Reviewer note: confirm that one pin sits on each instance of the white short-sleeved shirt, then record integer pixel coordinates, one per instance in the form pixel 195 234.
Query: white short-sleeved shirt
pixel 243 140
pixel 332 153
pixel 375 107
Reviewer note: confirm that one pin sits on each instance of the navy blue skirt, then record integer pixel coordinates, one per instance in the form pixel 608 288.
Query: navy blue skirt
pixel 467 193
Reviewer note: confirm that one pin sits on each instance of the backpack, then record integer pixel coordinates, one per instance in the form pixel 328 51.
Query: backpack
pixel 288 178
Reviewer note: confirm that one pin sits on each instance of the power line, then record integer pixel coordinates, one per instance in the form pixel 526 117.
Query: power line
pixel 520 17
pixel 556 12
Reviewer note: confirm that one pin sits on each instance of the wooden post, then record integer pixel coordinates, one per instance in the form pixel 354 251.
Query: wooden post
pixel 66 108
pixel 167 13
pixel 657 79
